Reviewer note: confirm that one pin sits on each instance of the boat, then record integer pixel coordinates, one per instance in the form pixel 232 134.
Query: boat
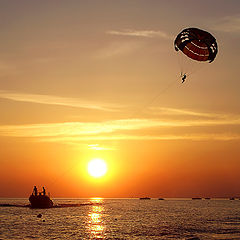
pixel 196 198
pixel 145 198
pixel 40 200
pixel 207 198
pixel 161 199
pixel 232 198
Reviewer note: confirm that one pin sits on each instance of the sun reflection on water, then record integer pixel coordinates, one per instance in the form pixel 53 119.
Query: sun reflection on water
pixel 96 226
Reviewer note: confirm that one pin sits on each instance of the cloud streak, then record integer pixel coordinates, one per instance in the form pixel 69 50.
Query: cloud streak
pixel 185 112
pixel 121 129
pixel 55 100
pixel 141 33
pixel 123 137
pixel 228 24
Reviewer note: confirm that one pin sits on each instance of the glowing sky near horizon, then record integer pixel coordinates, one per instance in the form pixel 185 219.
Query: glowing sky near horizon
pixel 82 80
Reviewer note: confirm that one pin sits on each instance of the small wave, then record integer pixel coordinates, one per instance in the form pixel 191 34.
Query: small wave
pixel 64 205
pixel 193 238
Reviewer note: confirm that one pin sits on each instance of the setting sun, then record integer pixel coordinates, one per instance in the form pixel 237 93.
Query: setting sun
pixel 97 168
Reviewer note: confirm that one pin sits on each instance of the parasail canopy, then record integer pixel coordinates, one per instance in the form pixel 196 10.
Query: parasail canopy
pixel 197 44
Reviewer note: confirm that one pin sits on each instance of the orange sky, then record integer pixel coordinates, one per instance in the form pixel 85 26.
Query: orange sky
pixel 99 79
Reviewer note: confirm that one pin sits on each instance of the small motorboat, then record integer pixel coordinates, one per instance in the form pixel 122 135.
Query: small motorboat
pixel 40 200
pixel 145 198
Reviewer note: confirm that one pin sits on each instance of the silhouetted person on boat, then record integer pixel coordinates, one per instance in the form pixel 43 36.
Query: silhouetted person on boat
pixel 35 191
pixel 44 191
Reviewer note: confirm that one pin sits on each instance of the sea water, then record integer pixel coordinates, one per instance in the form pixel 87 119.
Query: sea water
pixel 122 219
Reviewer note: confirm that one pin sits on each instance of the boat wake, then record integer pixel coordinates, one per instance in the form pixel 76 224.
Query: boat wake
pixel 13 205
pixel 62 205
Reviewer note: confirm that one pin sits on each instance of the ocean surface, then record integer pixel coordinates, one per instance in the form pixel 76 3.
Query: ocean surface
pixel 121 219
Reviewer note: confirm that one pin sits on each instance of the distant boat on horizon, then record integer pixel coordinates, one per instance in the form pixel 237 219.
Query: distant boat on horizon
pixel 207 198
pixel 145 198
pixel 196 198
pixel 161 199
pixel 232 198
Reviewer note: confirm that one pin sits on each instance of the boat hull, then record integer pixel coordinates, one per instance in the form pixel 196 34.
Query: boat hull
pixel 40 201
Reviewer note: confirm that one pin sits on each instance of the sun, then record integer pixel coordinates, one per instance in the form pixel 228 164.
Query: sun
pixel 97 168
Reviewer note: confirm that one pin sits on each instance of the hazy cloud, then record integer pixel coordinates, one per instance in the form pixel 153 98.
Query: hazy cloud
pixel 55 100
pixel 141 33
pixel 97 147
pixel 193 137
pixel 228 24
pixel 119 48
pixel 127 45
pixel 116 129
pixel 185 112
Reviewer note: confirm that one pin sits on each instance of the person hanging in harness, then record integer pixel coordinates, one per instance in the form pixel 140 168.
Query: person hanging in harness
pixel 183 76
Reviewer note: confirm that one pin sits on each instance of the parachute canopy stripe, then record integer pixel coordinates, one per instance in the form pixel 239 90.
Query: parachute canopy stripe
pixel 194 55
pixel 197 44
